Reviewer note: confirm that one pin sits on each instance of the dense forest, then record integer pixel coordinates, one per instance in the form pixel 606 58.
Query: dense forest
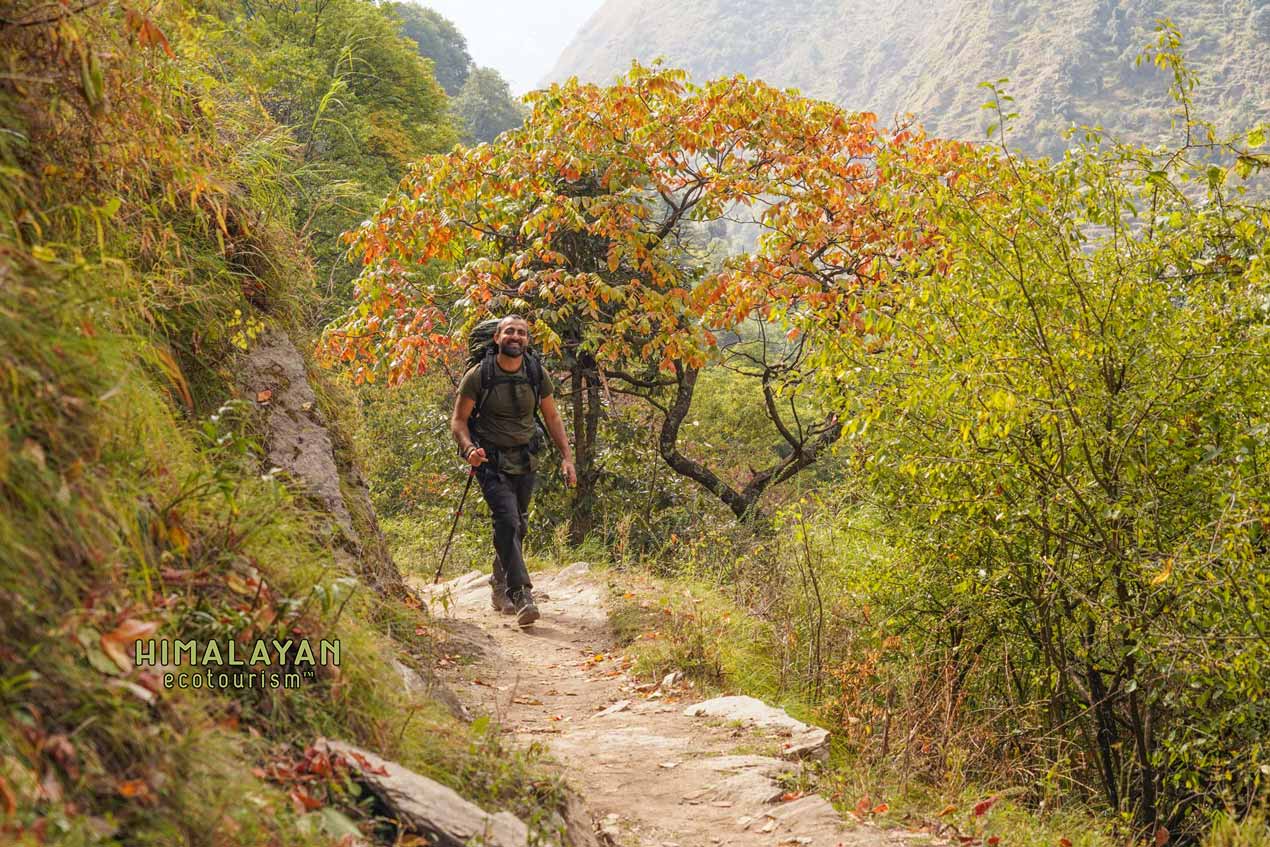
pixel 962 457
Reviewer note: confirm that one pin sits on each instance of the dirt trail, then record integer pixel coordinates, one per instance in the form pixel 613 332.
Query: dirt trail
pixel 652 776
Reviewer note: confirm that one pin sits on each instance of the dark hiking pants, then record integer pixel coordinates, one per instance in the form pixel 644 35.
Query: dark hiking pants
pixel 508 499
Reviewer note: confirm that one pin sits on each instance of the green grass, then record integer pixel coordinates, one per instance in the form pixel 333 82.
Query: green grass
pixel 682 624
pixel 1253 831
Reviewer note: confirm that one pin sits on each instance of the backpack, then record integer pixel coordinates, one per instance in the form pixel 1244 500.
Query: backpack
pixel 481 350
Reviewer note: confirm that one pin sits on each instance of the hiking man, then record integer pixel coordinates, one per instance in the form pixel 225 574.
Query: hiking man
pixel 501 444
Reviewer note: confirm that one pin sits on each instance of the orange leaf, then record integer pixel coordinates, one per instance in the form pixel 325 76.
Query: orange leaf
pixel 947 810
pixel 1064 842
pixel 1161 836
pixel 134 788
pixel 994 840
pixel 263 396
pixel 305 799
pixel 984 805
pixel 118 644
pixel 881 809
pixel 179 538
pixel 151 34
pixel 10 802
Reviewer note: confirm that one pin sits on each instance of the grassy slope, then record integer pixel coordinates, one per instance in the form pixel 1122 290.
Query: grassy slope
pixel 138 255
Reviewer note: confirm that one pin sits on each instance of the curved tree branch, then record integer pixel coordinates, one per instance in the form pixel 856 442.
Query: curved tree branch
pixel 742 503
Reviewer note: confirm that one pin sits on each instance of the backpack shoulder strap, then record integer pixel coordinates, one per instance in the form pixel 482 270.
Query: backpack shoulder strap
pixel 487 381
pixel 533 371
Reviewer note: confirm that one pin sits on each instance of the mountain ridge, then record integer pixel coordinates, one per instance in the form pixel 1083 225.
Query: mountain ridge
pixel 1067 63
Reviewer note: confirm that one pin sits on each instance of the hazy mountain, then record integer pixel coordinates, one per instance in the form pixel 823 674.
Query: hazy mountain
pixel 1067 61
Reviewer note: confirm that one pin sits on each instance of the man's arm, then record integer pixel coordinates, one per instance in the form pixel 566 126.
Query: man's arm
pixel 458 428
pixel 555 427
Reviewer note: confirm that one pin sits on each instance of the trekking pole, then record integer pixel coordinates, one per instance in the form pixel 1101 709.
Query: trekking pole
pixel 470 473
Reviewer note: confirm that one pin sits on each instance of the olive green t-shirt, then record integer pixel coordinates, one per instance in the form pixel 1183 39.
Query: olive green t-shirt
pixel 507 418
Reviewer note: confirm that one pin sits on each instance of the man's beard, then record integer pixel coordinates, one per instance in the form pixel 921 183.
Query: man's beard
pixel 511 348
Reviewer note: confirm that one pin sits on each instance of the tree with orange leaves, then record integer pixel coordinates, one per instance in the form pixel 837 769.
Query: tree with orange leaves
pixel 584 220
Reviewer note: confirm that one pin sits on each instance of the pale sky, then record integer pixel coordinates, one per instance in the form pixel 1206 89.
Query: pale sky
pixel 519 39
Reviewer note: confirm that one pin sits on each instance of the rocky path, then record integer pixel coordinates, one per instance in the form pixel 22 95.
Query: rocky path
pixel 652 775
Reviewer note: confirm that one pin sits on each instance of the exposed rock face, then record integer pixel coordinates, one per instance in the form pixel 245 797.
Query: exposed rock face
pixel 804 741
pixel 296 434
pixel 1067 62
pixel 579 827
pixel 429 808
pixel 299 440
pixel 427 685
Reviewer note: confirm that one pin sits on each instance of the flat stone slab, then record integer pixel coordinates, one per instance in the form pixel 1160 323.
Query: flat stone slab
pixel 427 807
pixel 749 781
pixel 765 765
pixel 805 741
pixel 804 812
pixel 574 573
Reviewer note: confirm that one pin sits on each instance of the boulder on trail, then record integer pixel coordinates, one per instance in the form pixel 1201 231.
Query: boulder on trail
pixel 426 807
pixel 805 742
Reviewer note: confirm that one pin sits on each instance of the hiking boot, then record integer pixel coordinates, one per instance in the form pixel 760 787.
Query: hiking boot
pixel 526 611
pixel 499 600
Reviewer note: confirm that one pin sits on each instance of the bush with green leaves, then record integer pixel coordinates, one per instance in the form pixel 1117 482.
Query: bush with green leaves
pixel 1062 398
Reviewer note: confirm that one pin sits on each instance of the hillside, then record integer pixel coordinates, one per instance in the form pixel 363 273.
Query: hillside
pixel 1067 62
pixel 956 491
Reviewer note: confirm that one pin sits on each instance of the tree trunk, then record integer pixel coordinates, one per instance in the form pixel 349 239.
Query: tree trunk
pixel 1105 733
pixel 586 407
pixel 681 464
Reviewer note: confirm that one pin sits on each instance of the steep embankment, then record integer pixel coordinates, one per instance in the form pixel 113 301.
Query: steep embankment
pixel 174 470
pixel 1067 62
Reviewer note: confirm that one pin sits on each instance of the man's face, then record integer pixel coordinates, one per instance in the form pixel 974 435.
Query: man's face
pixel 512 338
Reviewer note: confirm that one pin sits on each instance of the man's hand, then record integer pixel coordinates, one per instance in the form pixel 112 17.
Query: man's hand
pixel 570 474
pixel 476 458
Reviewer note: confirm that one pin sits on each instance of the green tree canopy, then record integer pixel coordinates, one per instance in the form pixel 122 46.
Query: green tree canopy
pixel 485 107
pixel 354 94
pixel 1062 404
pixel 439 40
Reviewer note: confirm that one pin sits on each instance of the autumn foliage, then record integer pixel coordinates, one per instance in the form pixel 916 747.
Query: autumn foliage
pixel 579 220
